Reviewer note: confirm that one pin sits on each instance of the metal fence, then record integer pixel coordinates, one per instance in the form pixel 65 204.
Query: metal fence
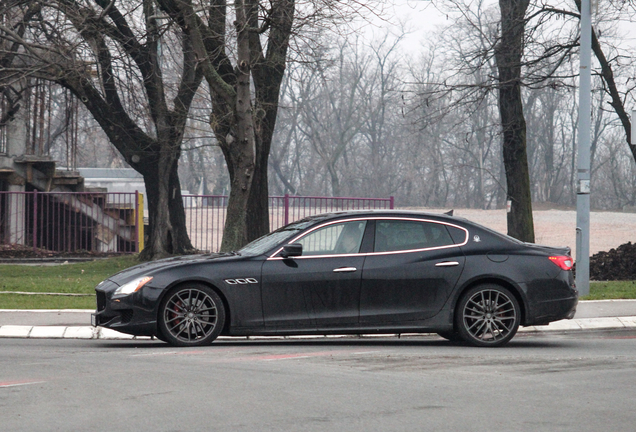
pixel 71 221
pixel 113 222
pixel 205 214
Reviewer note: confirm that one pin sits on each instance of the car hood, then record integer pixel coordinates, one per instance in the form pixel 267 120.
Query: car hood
pixel 150 267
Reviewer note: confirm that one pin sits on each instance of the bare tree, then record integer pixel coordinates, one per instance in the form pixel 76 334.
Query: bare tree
pixel 331 115
pixel 244 67
pixel 110 54
pixel 607 69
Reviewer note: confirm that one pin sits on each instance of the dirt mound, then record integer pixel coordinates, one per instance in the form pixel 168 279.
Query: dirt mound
pixel 616 264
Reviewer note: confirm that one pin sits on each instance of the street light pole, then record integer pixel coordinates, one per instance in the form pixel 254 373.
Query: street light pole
pixel 583 175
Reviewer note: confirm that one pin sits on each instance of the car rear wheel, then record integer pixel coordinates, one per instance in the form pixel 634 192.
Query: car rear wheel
pixel 488 315
pixel 191 315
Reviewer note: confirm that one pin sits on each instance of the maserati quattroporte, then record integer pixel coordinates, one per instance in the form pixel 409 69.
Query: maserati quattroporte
pixel 358 272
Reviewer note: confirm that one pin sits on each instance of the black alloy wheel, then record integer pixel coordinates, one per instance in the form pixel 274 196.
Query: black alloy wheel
pixel 191 315
pixel 488 316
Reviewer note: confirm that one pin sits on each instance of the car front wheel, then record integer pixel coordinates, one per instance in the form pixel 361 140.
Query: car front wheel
pixel 488 316
pixel 191 315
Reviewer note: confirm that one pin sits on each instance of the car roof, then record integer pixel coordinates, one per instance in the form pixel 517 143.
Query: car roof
pixel 384 212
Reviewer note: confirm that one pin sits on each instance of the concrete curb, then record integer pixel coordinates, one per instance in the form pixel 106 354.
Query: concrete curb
pixel 605 323
pixel 88 332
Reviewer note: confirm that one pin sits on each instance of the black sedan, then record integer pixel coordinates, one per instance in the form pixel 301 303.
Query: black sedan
pixel 348 273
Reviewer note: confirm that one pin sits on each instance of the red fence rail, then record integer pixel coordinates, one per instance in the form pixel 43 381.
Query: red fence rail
pixel 110 223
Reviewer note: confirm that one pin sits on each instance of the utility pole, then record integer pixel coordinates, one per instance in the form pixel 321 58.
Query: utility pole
pixel 583 175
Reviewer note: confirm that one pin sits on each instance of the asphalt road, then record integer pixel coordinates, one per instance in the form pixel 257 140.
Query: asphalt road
pixel 554 382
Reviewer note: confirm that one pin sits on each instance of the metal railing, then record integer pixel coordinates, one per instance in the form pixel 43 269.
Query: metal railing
pixel 112 222
pixel 205 214
pixel 71 221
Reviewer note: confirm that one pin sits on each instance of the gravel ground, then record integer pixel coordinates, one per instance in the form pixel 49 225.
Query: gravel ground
pixel 558 227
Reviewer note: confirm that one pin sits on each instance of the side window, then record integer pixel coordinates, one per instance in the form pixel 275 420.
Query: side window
pixel 458 235
pixel 397 235
pixel 341 238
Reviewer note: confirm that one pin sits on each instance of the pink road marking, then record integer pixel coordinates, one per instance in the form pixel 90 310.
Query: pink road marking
pixel 192 352
pixel 18 383
pixel 211 354
pixel 271 357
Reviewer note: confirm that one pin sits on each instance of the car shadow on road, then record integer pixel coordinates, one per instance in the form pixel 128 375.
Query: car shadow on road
pixel 364 342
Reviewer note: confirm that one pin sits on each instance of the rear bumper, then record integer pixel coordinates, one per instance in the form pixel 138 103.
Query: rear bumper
pixel 553 310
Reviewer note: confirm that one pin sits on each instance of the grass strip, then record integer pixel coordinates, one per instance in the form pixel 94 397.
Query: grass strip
pixel 19 301
pixel 611 290
pixel 79 278
pixel 47 294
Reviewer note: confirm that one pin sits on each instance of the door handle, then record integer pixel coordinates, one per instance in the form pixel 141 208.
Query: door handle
pixel 344 269
pixel 447 264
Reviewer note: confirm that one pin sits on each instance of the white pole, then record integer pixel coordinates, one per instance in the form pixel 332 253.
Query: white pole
pixel 583 175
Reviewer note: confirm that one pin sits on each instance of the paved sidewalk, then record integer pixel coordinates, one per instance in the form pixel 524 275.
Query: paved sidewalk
pixel 75 324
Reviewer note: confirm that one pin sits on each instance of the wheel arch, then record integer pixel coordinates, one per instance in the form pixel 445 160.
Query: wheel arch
pixel 510 286
pixel 206 283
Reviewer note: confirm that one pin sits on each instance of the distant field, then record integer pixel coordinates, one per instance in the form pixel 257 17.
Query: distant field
pixel 558 227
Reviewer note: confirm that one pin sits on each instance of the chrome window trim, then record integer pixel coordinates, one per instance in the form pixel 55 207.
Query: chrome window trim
pixel 376 218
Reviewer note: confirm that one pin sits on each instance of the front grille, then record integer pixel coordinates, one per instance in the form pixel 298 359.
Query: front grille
pixel 101 300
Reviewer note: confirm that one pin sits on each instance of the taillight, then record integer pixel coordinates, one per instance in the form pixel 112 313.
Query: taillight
pixel 563 261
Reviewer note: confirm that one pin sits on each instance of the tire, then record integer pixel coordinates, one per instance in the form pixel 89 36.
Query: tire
pixel 191 315
pixel 160 337
pixel 451 335
pixel 487 315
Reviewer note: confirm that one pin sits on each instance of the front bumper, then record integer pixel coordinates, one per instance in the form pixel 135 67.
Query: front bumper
pixel 127 314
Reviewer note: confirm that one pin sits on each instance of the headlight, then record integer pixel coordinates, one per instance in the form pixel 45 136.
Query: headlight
pixel 133 285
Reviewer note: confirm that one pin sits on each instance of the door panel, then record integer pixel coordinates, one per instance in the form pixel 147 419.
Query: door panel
pixel 286 301
pixel 407 286
pixel 335 296
pixel 321 288
pixel 309 293
pixel 411 273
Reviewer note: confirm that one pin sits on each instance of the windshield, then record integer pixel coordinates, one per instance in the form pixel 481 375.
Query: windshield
pixel 271 240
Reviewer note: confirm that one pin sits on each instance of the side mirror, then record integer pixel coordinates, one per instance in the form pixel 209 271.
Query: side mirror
pixel 292 250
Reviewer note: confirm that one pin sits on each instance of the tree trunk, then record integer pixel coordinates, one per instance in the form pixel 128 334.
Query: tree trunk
pixel 335 180
pixel 181 243
pixel 258 204
pixel 243 149
pixel 244 98
pixel 158 245
pixel 508 54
